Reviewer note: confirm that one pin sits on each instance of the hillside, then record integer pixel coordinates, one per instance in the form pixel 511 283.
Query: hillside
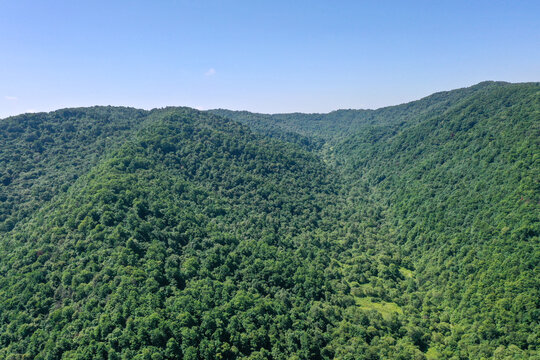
pixel 41 154
pixel 404 232
pixel 461 193
pixel 195 229
pixel 341 123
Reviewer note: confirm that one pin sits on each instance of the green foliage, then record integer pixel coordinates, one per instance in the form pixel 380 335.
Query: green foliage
pixel 42 154
pixel 409 232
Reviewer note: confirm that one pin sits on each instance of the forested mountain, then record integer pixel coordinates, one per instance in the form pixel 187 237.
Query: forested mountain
pixel 41 154
pixel 408 232
pixel 338 124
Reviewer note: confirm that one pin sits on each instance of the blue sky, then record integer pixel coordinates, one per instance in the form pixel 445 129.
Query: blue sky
pixel 265 56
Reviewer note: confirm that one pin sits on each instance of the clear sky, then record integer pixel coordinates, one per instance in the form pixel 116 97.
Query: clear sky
pixel 264 56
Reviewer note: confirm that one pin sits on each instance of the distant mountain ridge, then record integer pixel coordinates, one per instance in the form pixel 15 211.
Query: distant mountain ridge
pixel 340 122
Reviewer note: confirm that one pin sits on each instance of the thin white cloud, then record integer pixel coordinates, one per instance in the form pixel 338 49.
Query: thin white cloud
pixel 11 98
pixel 210 72
pixel 31 111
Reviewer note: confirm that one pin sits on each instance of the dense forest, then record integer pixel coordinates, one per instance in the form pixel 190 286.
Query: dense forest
pixel 407 232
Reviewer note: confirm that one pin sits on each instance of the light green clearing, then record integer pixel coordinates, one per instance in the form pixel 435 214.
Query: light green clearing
pixel 433 354
pixel 406 272
pixel 385 308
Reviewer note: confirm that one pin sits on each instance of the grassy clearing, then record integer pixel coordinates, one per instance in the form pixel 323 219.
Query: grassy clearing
pixel 433 354
pixel 406 272
pixel 385 308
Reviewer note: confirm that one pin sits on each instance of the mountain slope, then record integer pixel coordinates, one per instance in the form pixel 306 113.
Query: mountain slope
pixel 41 154
pixel 194 239
pixel 399 233
pixel 462 195
pixel 458 194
